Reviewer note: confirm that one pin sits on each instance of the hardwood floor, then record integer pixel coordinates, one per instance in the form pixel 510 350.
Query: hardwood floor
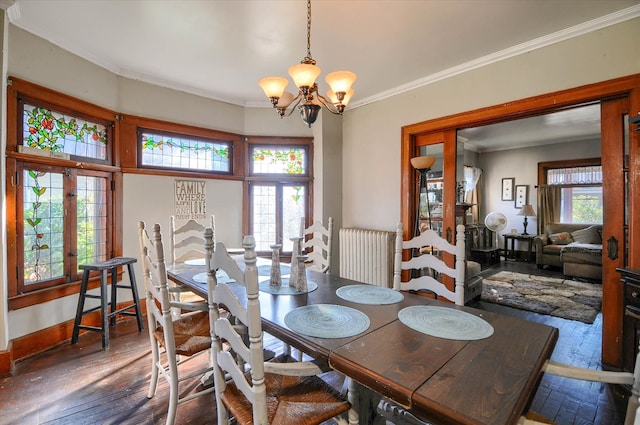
pixel 568 401
pixel 82 384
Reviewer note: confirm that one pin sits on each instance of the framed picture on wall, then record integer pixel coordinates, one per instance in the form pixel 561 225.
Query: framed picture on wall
pixel 522 195
pixel 507 188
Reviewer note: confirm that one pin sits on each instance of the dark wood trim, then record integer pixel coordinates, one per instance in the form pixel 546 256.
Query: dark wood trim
pixel 613 189
pixel 623 87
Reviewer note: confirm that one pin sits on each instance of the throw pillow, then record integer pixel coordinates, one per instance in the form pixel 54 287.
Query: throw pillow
pixel 587 235
pixel 562 238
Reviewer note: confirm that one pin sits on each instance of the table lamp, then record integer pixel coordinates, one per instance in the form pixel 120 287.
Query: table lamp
pixel 526 211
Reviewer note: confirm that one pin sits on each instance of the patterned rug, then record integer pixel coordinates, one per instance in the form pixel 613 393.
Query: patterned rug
pixel 565 298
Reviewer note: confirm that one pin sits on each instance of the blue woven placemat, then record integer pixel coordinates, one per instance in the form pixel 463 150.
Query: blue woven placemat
pixel 444 322
pixel 369 294
pixel 195 262
pixel 221 276
pixel 265 270
pixel 327 321
pixel 285 289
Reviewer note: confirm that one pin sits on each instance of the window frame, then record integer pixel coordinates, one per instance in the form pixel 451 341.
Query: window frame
pixel 71 272
pixel 544 167
pixel 278 180
pixel 18 92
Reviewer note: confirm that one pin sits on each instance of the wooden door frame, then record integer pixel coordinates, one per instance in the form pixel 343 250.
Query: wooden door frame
pixel 623 87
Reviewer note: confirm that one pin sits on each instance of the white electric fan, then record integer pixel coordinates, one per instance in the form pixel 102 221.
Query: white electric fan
pixel 495 222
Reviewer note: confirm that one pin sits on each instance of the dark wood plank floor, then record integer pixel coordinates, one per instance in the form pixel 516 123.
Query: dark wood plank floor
pixel 82 384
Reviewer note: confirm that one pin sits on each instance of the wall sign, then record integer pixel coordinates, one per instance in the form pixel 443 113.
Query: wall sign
pixel 190 200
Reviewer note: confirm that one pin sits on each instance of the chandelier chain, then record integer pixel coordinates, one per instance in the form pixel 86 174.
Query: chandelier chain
pixel 309 29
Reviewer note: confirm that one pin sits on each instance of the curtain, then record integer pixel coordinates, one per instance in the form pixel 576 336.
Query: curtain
pixel 548 206
pixel 472 194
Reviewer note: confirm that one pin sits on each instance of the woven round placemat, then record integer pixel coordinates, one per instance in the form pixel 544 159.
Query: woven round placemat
pixel 369 294
pixel 444 322
pixel 327 321
pixel 285 289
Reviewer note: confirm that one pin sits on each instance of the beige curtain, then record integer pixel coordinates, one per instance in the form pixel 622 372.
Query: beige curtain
pixel 472 194
pixel 548 206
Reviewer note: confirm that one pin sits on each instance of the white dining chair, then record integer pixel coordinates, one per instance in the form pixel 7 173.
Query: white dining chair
pixel 427 268
pixel 186 240
pixel 271 392
pixel 185 243
pixel 175 339
pixel 632 416
pixel 316 245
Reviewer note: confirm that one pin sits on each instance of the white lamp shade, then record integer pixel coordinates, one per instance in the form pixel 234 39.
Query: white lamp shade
pixel 273 86
pixel 340 81
pixel 334 99
pixel 304 74
pixel 285 100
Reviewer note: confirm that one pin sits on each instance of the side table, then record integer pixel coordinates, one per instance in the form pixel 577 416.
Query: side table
pixel 510 253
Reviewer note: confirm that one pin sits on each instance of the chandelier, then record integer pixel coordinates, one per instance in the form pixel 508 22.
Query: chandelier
pixel 309 100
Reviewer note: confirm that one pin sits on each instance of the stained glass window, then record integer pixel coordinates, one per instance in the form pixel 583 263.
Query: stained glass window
pixel 279 160
pixel 53 131
pixel 43 206
pixel 184 152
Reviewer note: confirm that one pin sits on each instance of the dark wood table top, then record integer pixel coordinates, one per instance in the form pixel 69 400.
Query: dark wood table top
pixel 487 381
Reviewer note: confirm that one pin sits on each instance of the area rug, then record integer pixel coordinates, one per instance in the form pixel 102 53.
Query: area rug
pixel 565 298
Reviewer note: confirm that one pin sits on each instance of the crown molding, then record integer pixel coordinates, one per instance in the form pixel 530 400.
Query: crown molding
pixel 557 37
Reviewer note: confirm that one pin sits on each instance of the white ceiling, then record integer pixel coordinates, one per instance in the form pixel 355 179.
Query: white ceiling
pixel 221 48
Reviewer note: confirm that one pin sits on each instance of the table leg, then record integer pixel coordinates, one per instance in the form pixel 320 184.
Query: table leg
pixel 352 396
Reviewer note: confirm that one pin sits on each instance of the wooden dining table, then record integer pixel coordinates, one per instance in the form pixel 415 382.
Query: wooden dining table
pixel 447 381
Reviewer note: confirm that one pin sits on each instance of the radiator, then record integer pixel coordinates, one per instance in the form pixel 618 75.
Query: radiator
pixel 367 256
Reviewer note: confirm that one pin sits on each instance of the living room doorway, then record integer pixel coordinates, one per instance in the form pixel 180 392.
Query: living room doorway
pixel 620 153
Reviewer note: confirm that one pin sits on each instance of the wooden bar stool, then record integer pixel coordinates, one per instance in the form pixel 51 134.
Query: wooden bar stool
pixel 109 265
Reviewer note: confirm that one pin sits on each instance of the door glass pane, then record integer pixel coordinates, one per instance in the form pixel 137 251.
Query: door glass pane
pixel 431 191
pixel 43 206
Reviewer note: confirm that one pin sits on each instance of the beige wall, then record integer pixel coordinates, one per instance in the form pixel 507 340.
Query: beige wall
pixel 370 161
pixel 522 164
pixel 371 180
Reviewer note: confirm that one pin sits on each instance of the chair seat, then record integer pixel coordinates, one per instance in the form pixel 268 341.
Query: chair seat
pixel 296 400
pixel 191 332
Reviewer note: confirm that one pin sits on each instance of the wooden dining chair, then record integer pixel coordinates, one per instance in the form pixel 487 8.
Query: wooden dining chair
pixel 186 240
pixel 175 339
pixel 270 392
pixel 426 267
pixel 317 246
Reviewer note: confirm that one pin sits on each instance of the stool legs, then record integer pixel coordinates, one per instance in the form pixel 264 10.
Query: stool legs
pixel 80 309
pixel 104 302
pixel 134 293
pixel 108 315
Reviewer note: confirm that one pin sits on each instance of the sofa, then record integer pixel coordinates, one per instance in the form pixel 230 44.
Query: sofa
pixel 576 248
